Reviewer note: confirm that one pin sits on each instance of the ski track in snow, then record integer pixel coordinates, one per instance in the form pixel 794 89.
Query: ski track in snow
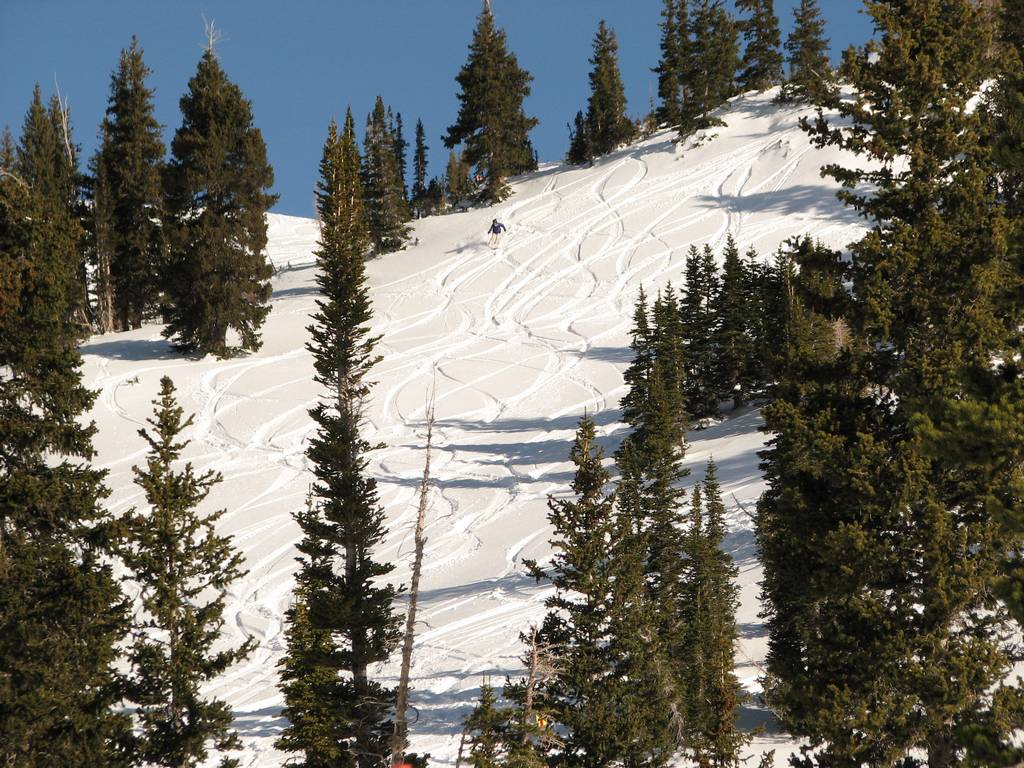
pixel 520 341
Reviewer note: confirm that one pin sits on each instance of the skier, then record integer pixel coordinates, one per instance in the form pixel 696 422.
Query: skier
pixel 496 229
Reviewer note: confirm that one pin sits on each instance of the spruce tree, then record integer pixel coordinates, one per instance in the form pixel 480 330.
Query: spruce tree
pixel 582 695
pixel 7 150
pixel 698 328
pixel 419 172
pixel 384 200
pixel 128 199
pixel 713 60
pixel 47 160
pixel 1006 119
pixel 648 723
pixel 343 620
pixel 890 467
pixel 456 179
pixel 484 727
pixel 810 71
pixel 401 147
pixel 638 373
pixel 607 123
pixel 46 156
pixel 62 614
pixel 731 340
pixel 177 558
pixel 672 69
pixel 580 148
pixel 491 123
pixel 712 692
pixel 761 67
pixel 217 277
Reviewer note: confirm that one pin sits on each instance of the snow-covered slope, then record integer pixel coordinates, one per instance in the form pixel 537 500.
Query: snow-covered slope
pixel 520 342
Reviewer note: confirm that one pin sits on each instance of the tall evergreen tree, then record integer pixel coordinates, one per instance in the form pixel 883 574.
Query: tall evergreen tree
pixel 47 160
pixel 672 69
pixel 401 148
pixel 713 60
pixel 384 200
pixel 761 66
pixel 648 723
pixel 343 620
pixel 580 147
pixel 583 694
pixel 810 71
pixel 46 156
pixel 731 339
pixel 485 728
pixel 62 614
pixel 217 277
pixel 607 123
pixel 456 179
pixel 177 558
pixel 1006 116
pixel 698 328
pixel 491 123
pixel 419 170
pixel 890 470
pixel 127 166
pixel 7 150
pixel 638 373
pixel 712 692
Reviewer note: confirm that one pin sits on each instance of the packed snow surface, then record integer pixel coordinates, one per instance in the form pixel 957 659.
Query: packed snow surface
pixel 520 341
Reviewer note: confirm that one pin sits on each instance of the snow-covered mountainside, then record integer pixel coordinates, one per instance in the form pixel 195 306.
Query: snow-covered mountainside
pixel 521 341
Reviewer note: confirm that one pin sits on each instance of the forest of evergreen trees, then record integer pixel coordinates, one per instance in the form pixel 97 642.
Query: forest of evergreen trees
pixel 891 533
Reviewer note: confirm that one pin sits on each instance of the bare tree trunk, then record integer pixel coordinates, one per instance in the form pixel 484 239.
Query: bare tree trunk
pixel 531 685
pixel 400 739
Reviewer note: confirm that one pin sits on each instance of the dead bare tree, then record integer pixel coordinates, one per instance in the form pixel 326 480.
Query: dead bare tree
pixel 541 666
pixel 213 35
pixel 400 737
pixel 63 104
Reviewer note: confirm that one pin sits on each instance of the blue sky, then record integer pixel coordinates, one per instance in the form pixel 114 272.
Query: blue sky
pixel 302 62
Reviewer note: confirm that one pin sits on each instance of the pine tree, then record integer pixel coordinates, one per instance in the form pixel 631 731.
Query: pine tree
pixel 1006 118
pixel 341 713
pixel 638 373
pixel 582 695
pixel 580 147
pixel 217 276
pixel 384 201
pixel 485 730
pixel 7 150
pixel 491 123
pixel 456 179
pixel 46 156
pixel 177 559
pixel 890 467
pixel 401 147
pixel 698 328
pixel 62 614
pixel 128 199
pixel 712 692
pixel 607 123
pixel 419 172
pixel 713 60
pixel 760 290
pixel 47 160
pixel 731 339
pixel 761 67
pixel 810 71
pixel 669 348
pixel 672 69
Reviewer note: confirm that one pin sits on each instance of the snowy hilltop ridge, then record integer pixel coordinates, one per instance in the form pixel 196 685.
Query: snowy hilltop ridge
pixel 521 341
